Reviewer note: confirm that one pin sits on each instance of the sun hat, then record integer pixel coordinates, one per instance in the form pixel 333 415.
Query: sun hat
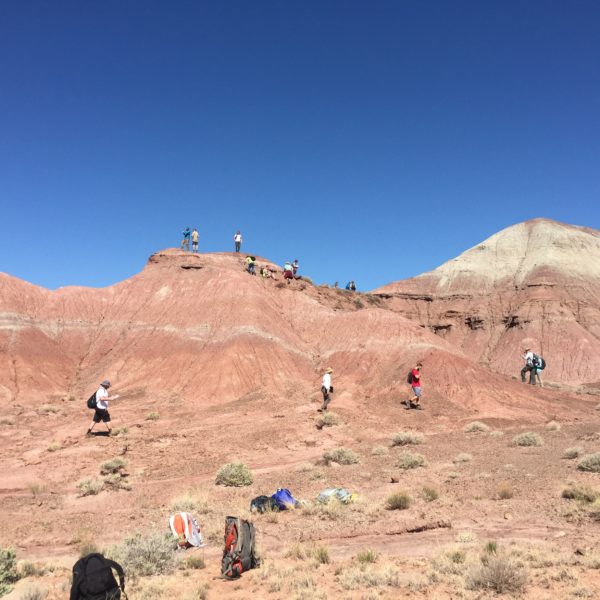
pixel 329 370
pixel 105 383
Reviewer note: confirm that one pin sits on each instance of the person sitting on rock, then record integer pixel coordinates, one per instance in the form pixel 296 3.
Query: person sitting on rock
pixel 250 264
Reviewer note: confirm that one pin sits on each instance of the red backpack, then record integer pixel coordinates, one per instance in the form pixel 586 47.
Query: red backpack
pixel 239 551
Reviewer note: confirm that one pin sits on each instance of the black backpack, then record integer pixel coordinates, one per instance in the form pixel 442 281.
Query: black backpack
pixel 239 553
pixel 262 504
pixel 539 362
pixel 91 403
pixel 409 379
pixel 93 579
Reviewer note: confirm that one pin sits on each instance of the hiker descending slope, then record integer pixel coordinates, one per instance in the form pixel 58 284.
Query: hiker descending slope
pixel 414 378
pixel 326 389
pixel 99 401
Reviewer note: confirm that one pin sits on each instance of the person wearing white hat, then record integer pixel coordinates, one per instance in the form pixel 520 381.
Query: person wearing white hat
pixel 326 389
pixel 101 412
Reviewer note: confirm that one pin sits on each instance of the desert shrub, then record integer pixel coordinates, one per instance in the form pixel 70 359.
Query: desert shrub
pixel 141 556
pixel 327 419
pixel 116 481
pixel 571 453
pixel 590 462
pixel 195 562
pixel 364 576
pixel 497 572
pixel 297 551
pixel 410 460
pixel 342 456
pixel 90 486
pixel 112 466
pixel 450 563
pixel 87 547
pixel 117 431
pixel 8 570
pixel 405 438
pixel 491 547
pixel 367 556
pixel 234 475
pixel 465 537
pixel 553 426
pixel 33 592
pixel 462 457
pixel 29 569
pixel 49 409
pixel 200 593
pixel 398 501
pixel 379 451
pixel 191 503
pixel 152 416
pixel 54 446
pixel 36 488
pixel 321 555
pixel 505 490
pixel 429 493
pixel 476 427
pixel 581 493
pixel 528 439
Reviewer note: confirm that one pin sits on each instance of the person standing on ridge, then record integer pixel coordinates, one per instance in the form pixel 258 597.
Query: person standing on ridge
pixel 326 389
pixel 351 286
pixel 295 266
pixel 528 358
pixel 185 242
pixel 237 238
pixel 101 412
pixel 195 240
pixel 415 382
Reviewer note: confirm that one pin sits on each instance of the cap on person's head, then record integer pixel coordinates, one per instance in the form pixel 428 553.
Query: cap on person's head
pixel 329 370
pixel 105 383
pixel 419 365
pixel 527 349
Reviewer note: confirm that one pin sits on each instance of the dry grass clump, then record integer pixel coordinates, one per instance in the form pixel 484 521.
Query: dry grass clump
pixel 234 475
pixel 8 570
pixel 476 427
pixel 29 569
pixel 571 453
pixel 195 562
pixel 499 573
pixel 54 446
pixel 327 419
pixel 116 481
pixel 379 451
pixel 90 486
pixel 450 563
pixel 505 490
pixel 583 494
pixel 398 501
pixel 410 460
pixel 590 462
pixel 553 426
pixel 302 552
pixel 152 416
pixel 528 439
pixel 33 592
pixel 141 556
pixel 367 556
pixel 365 576
pixel 429 493
pixel 7 421
pixel 406 438
pixel 117 431
pixel 463 457
pixel 200 593
pixel 496 433
pixel 112 466
pixel 49 409
pixel 342 456
pixel 191 503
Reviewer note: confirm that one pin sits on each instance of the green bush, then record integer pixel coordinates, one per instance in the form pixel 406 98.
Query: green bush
pixel 327 419
pixel 410 460
pixel 90 486
pixel 140 556
pixel 342 456
pixel 234 475
pixel 112 466
pixel 590 462
pixel 528 439
pixel 367 556
pixel 581 493
pixel 430 493
pixel 405 438
pixel 152 416
pixel 398 501
pixel 8 570
pixel 571 453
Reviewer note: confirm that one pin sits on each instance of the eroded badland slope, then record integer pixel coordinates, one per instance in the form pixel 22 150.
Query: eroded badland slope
pixel 214 366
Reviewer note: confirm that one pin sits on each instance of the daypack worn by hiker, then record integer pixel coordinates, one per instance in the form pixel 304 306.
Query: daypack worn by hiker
pixel 539 362
pixel 185 528
pixel 284 500
pixel 91 403
pixel 93 579
pixel 262 504
pixel 409 379
pixel 239 551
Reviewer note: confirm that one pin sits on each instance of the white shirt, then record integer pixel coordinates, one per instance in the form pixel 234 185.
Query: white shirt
pixel 528 357
pixel 237 237
pixel 100 395
pixel 327 381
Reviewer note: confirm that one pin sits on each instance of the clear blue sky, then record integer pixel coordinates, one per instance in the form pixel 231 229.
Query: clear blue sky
pixel 371 140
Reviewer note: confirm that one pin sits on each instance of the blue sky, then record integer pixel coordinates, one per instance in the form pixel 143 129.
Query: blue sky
pixel 371 140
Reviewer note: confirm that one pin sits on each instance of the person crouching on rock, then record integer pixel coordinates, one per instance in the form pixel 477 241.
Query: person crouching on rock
pixel 326 389
pixel 101 413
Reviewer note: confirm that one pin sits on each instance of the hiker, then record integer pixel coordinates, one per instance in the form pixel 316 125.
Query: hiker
pixel 528 358
pixel 415 382
pixel 265 272
pixel 237 238
pixel 101 412
pixel 326 389
pixel 185 242
pixel 351 286
pixel 195 240
pixel 336 285
pixel 288 271
pixel 295 266
pixel 250 265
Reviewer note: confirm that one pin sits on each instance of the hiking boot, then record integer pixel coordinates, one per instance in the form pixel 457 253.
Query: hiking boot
pixel 418 407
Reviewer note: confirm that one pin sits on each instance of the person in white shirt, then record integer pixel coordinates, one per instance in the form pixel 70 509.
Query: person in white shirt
pixel 528 358
pixel 101 413
pixel 326 389
pixel 237 238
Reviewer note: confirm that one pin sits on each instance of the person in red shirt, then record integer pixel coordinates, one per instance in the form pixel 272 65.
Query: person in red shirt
pixel 415 383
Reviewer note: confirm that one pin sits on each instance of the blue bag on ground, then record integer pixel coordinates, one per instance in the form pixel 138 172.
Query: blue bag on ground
pixel 284 499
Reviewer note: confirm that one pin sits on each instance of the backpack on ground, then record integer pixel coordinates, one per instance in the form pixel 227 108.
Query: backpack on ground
pixel 93 579
pixel 239 553
pixel 539 362
pixel 185 528
pixel 342 495
pixel 284 500
pixel 409 379
pixel 91 403
pixel 262 504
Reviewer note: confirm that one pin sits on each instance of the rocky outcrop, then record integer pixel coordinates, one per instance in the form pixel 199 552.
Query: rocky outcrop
pixel 534 284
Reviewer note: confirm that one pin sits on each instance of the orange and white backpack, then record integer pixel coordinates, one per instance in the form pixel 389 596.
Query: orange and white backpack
pixel 185 528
